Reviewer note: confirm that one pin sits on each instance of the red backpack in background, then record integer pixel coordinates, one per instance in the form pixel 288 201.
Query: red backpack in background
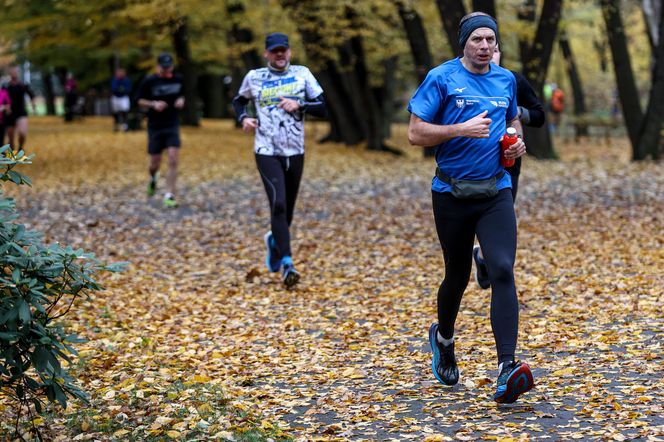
pixel 557 101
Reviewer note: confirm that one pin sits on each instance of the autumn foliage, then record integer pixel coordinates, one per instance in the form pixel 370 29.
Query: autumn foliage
pixel 197 341
pixel 39 286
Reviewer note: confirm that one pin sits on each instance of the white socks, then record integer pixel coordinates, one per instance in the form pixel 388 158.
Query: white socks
pixel 444 341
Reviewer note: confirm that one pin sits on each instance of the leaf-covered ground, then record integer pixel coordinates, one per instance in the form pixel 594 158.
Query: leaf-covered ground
pixel 196 340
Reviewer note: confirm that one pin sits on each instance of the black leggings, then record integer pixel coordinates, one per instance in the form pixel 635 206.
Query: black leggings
pixel 281 178
pixel 494 222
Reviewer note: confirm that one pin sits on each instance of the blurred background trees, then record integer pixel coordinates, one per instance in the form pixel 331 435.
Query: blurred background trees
pixel 369 55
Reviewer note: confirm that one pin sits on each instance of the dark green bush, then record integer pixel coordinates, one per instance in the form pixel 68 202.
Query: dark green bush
pixel 39 284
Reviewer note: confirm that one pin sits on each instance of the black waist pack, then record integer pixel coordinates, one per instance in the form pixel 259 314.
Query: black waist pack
pixel 471 189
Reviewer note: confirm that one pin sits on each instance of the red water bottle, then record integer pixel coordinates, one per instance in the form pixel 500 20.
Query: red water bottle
pixel 506 141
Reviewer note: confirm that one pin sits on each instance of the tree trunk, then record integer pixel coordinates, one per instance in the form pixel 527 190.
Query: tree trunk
pixel 651 13
pixel 650 137
pixel 600 47
pixel 243 35
pixel 535 59
pixel 527 12
pixel 417 39
pixel 211 91
pixel 629 95
pixel 385 96
pixel 365 102
pixel 49 95
pixel 344 121
pixel 451 13
pixel 486 6
pixel 581 128
pixel 419 48
pixel 181 44
pixel 538 56
pixel 347 124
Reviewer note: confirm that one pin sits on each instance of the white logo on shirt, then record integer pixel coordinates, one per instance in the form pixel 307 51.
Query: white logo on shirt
pixel 460 102
pixel 460 89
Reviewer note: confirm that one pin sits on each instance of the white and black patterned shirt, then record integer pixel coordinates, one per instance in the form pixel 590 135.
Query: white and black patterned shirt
pixel 279 133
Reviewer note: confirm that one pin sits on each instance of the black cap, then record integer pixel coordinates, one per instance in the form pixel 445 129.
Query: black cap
pixel 276 40
pixel 165 60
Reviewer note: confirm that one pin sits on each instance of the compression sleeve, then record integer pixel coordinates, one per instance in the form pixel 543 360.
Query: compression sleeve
pixel 240 103
pixel 316 107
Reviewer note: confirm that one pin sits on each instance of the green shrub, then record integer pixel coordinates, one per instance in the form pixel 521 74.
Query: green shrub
pixel 39 284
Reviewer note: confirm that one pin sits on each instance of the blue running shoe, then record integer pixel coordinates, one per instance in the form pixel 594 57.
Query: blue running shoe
pixel 443 362
pixel 289 275
pixel 272 261
pixel 515 379
pixel 481 271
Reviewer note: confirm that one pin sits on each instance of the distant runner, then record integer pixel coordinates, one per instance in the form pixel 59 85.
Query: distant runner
pixel 17 119
pixel 282 94
pixel 163 95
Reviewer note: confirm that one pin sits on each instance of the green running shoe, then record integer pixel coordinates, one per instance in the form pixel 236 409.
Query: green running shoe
pixel 170 202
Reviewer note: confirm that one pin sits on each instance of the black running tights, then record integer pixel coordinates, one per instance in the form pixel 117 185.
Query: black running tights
pixel 281 178
pixel 494 222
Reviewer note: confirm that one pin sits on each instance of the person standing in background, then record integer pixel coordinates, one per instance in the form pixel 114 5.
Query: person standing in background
pixel 71 97
pixel 120 102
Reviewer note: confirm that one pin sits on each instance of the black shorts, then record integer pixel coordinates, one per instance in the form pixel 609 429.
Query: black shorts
pixel 10 120
pixel 163 138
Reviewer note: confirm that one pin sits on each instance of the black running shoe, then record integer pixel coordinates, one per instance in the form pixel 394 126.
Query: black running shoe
pixel 515 379
pixel 152 187
pixel 481 271
pixel 290 276
pixel 443 362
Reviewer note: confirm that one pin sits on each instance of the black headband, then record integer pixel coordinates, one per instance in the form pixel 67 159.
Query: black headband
pixel 475 22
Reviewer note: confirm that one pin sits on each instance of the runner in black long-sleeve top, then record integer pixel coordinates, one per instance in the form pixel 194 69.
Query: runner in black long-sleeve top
pixel 531 113
pixel 17 119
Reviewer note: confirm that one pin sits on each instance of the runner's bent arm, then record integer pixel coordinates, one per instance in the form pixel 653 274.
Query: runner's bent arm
pixel 421 133
pixel 531 112
pixel 145 103
pixel 240 103
pixel 316 107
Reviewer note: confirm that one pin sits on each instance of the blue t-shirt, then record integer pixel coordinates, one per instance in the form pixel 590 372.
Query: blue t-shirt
pixel 451 94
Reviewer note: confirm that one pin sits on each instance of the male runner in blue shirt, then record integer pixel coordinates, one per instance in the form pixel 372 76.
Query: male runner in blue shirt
pixel 463 108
